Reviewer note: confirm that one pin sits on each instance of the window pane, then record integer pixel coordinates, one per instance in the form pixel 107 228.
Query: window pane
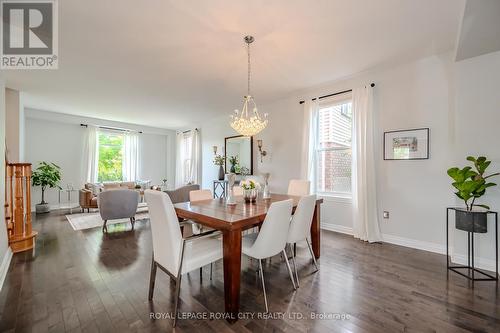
pixel 334 171
pixel 335 126
pixel 333 163
pixel 110 157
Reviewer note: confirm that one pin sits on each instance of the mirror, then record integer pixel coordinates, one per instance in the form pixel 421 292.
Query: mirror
pixel 239 154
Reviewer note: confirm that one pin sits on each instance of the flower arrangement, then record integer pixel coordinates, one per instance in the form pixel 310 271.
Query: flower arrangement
pixel 249 184
pixel 219 160
pixel 233 160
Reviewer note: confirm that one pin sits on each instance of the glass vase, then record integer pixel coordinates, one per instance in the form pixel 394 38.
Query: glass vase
pixel 250 195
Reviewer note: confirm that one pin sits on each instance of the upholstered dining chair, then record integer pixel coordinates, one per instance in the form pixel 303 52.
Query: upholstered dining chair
pixel 271 238
pixel 299 187
pixel 194 196
pixel 300 228
pixel 172 253
pixel 118 204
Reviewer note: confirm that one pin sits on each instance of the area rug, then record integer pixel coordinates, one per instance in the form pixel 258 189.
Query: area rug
pixel 82 221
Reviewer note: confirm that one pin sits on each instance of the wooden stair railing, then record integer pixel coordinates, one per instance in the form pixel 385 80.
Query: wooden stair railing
pixel 18 206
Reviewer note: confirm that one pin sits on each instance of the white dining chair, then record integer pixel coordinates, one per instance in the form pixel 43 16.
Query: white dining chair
pixel 300 228
pixel 299 187
pixel 172 253
pixel 200 195
pixel 271 239
pixel 194 196
pixel 237 191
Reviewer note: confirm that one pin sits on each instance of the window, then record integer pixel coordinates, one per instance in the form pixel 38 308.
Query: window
pixel 334 148
pixel 110 165
pixel 186 156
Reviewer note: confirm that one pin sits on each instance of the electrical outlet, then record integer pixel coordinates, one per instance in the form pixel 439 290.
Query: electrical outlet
pixel 386 214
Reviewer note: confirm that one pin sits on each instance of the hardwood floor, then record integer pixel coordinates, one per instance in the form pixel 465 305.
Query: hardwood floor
pixel 86 281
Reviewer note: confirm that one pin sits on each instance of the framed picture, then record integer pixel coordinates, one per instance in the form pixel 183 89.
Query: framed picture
pixel 410 144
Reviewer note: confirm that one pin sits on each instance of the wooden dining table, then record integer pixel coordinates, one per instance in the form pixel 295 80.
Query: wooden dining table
pixel 231 220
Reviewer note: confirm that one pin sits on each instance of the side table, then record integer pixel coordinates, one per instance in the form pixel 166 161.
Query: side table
pixel 220 188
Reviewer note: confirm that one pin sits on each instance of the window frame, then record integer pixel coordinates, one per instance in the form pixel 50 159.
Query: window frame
pixel 324 104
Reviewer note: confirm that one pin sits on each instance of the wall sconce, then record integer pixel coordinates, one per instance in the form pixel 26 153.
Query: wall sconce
pixel 215 150
pixel 262 152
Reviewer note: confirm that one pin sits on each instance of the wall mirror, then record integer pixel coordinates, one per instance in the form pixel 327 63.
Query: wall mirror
pixel 239 154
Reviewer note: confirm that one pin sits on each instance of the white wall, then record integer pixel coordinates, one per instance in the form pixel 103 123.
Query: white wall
pixel 418 94
pixel 14 119
pixel 477 122
pixel 59 139
pixel 5 252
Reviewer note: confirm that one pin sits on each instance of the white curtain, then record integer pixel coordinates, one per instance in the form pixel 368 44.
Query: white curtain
pixel 309 142
pixel 130 162
pixel 188 159
pixel 364 197
pixel 90 155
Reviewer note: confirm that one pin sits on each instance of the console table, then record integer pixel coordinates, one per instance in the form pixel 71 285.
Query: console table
pixel 471 269
pixel 220 188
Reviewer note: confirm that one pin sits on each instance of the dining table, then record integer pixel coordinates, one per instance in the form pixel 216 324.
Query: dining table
pixel 231 221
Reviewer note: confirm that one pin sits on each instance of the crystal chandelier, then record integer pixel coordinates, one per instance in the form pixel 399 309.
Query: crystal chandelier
pixel 246 122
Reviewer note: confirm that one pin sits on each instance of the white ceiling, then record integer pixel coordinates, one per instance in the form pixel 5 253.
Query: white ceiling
pixel 174 63
pixel 480 30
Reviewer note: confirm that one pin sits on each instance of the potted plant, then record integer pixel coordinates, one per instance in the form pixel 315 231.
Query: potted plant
pixel 46 175
pixel 250 188
pixel 471 184
pixel 233 160
pixel 219 160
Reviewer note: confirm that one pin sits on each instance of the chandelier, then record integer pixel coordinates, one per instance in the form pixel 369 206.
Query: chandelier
pixel 247 122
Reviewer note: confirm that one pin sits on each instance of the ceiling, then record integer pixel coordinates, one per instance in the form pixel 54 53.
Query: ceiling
pixel 176 63
pixel 480 30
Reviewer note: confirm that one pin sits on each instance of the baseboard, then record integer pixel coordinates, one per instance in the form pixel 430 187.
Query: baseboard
pixel 4 266
pixel 481 263
pixel 337 228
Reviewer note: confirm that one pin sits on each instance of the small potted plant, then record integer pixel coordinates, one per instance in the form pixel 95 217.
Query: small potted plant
pixel 46 175
pixel 250 188
pixel 219 160
pixel 471 184
pixel 233 160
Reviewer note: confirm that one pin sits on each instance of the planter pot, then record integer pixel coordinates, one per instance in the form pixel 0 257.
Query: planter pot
pixel 221 172
pixel 471 221
pixel 250 195
pixel 42 208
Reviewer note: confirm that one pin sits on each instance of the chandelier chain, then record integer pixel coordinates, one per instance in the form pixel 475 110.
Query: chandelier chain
pixel 249 69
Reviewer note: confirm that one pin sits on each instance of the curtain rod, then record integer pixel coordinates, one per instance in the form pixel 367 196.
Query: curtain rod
pixel 186 131
pixel 113 128
pixel 335 94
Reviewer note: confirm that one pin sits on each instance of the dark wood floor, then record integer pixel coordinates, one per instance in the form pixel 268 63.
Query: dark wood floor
pixel 85 281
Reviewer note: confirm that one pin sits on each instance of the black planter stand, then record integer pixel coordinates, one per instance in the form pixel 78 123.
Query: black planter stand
pixel 471 270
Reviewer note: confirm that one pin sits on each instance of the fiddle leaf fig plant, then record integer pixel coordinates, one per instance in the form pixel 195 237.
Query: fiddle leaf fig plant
pixel 471 182
pixel 46 175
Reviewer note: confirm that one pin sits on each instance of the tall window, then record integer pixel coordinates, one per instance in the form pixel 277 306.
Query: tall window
pixel 110 165
pixel 186 156
pixel 334 147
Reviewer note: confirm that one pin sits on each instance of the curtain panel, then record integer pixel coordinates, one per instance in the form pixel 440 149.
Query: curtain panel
pixel 364 193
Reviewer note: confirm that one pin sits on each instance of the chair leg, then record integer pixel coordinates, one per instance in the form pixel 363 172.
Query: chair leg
pixel 294 265
pixel 104 227
pixel 312 255
pixel 263 284
pixel 132 221
pixel 289 269
pixel 177 292
pixel 152 279
pixel 211 271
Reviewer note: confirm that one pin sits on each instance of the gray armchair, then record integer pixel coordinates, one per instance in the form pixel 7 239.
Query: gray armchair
pixel 181 194
pixel 118 204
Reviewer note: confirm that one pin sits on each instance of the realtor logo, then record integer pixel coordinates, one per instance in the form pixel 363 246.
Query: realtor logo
pixel 29 34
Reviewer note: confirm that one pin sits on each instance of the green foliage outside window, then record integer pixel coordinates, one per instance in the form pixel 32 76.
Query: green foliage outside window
pixel 110 157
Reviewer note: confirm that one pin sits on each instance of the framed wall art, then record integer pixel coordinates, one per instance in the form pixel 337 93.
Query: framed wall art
pixel 412 144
